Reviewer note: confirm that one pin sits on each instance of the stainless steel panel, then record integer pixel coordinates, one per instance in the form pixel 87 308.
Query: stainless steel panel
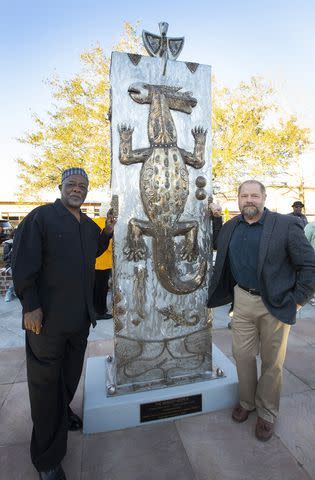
pixel 161 173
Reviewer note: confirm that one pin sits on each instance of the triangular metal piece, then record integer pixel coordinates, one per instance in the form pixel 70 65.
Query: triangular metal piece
pixel 135 58
pixel 192 66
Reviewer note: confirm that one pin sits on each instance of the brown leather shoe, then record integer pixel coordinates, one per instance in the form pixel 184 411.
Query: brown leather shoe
pixel 264 429
pixel 240 414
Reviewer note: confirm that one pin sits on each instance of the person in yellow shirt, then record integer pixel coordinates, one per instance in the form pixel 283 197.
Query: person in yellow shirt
pixel 103 270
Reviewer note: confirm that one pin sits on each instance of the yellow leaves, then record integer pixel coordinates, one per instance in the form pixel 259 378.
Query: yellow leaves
pixel 77 130
pixel 93 56
pixel 34 138
pixel 130 41
pixel 243 144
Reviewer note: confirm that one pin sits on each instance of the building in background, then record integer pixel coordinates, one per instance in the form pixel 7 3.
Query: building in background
pixel 16 211
pixel 279 199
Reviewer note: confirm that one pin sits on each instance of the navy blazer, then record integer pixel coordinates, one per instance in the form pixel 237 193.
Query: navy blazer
pixel 286 267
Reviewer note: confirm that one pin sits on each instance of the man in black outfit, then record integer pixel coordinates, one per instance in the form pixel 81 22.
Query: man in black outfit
pixel 53 263
pixel 297 212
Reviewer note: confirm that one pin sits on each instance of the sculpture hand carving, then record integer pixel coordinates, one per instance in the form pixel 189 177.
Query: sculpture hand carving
pixel 135 252
pixel 200 135
pixel 125 132
pixel 135 249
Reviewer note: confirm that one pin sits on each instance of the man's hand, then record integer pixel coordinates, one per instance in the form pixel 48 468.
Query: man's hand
pixel 110 221
pixel 215 209
pixel 33 320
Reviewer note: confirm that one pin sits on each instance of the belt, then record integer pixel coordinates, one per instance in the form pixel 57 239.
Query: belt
pixel 252 291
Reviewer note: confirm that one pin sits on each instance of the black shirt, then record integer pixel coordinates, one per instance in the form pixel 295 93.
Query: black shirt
pixel 53 266
pixel 244 250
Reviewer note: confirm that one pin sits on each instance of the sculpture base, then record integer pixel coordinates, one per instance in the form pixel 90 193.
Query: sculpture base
pixel 104 414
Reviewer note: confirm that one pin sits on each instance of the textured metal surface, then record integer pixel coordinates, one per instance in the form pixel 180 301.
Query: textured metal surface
pixel 201 194
pixel 115 205
pixel 135 58
pixel 162 241
pixel 192 66
pixel 164 185
pixel 201 181
pixel 161 45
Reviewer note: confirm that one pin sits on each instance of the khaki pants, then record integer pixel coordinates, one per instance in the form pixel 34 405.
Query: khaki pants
pixel 255 330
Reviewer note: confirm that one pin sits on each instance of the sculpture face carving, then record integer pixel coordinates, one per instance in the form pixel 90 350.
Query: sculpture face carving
pixel 164 186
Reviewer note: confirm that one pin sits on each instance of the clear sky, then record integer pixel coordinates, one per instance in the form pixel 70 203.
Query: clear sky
pixel 239 38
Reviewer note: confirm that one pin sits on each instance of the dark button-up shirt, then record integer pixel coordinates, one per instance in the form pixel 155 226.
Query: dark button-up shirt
pixel 244 250
pixel 53 266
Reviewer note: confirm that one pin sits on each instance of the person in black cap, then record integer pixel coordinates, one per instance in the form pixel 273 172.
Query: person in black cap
pixel 297 212
pixel 53 261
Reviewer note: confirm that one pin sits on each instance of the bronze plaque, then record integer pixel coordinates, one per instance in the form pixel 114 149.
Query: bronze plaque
pixel 173 407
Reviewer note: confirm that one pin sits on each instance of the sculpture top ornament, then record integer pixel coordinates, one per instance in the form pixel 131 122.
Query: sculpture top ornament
pixel 161 45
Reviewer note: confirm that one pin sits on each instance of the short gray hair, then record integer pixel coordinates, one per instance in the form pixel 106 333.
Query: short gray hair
pixel 262 187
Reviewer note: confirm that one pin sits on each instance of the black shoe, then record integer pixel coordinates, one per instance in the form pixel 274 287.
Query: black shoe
pixel 56 473
pixel 74 421
pixel 103 316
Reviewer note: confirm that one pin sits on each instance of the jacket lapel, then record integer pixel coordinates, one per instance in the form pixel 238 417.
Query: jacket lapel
pixel 230 231
pixel 265 238
pixel 225 241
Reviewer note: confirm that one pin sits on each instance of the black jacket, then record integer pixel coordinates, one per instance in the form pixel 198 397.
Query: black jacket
pixel 7 252
pixel 286 266
pixel 53 264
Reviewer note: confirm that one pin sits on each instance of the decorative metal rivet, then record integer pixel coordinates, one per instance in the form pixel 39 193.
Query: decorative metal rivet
pixel 220 372
pixel 201 194
pixel 109 358
pixel 201 181
pixel 111 389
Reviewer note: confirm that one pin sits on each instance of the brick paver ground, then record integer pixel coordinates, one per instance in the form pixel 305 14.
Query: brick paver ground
pixel 203 447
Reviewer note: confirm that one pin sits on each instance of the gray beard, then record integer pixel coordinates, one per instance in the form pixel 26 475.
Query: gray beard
pixel 250 212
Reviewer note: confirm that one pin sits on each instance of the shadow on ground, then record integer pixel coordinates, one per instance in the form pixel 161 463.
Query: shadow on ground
pixel 203 447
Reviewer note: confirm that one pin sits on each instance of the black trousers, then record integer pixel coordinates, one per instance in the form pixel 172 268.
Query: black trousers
pixel 54 366
pixel 101 290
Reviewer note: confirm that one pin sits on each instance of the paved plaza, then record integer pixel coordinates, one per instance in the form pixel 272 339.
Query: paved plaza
pixel 204 447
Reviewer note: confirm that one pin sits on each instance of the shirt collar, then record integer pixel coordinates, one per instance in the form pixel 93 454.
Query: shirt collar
pixel 62 211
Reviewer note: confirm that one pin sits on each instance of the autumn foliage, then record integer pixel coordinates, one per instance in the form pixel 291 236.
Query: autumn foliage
pixel 250 139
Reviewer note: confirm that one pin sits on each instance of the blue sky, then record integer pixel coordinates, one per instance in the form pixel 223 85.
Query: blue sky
pixel 271 38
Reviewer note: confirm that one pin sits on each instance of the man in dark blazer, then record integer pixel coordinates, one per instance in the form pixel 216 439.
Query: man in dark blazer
pixel 54 253
pixel 266 266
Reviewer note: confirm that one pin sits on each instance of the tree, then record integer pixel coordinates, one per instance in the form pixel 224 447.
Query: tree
pixel 77 129
pixel 250 139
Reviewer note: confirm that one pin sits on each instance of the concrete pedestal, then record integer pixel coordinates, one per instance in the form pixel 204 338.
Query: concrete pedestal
pixel 103 414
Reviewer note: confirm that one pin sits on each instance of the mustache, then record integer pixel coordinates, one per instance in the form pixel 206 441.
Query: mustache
pixel 250 210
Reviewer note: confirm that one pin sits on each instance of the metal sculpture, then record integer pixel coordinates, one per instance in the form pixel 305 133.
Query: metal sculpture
pixel 162 240
pixel 164 185
pixel 161 45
